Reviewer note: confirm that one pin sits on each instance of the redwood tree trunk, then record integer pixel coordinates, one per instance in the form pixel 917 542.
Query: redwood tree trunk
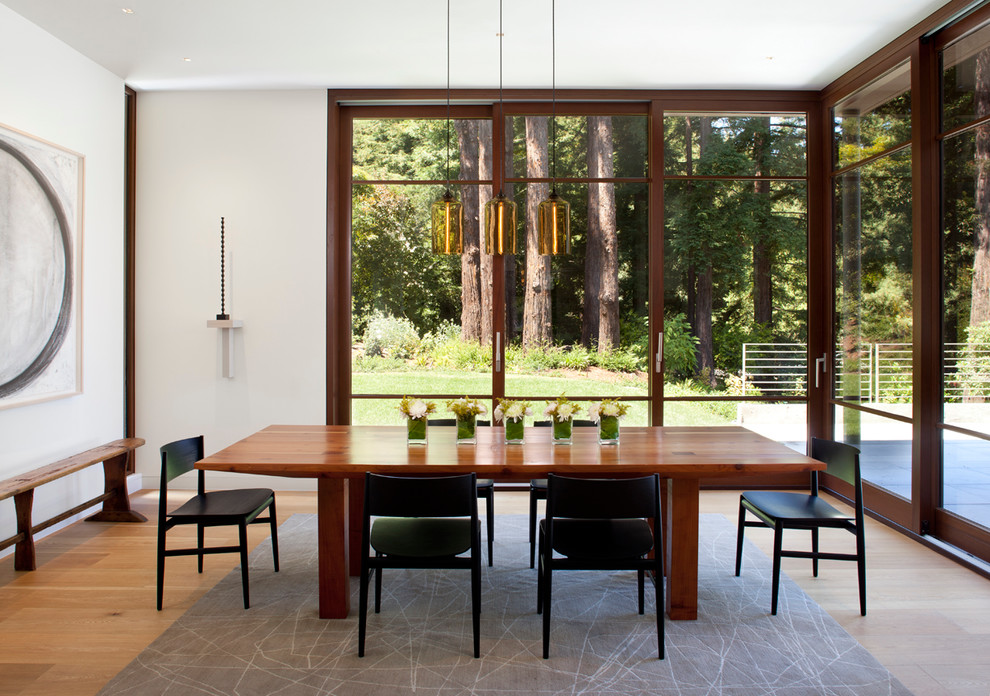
pixel 485 265
pixel 537 321
pixel 980 308
pixel 471 312
pixel 602 258
pixel 704 275
pixel 762 265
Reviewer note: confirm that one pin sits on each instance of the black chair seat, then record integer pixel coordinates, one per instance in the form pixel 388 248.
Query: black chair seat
pixel 601 540
pixel 421 537
pixel 419 522
pixel 600 524
pixel 239 507
pixel 486 490
pixel 224 504
pixel 808 512
pixel 794 507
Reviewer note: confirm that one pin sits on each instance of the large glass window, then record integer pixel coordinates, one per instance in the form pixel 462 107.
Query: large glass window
pixel 872 218
pixel 735 272
pixel 966 277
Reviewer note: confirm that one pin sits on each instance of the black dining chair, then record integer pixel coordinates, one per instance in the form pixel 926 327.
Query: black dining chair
pixel 239 507
pixel 601 524
pixel 486 490
pixel 420 522
pixel 782 510
pixel 538 490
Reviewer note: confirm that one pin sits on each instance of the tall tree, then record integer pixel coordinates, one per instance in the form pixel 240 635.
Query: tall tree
pixel 704 279
pixel 484 154
pixel 980 308
pixel 601 305
pixel 471 295
pixel 762 242
pixel 537 322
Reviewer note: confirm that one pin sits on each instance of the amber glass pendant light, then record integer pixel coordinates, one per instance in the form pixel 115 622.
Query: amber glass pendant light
pixel 553 217
pixel 500 212
pixel 447 214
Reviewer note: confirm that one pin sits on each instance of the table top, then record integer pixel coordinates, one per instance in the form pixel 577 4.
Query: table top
pixel 342 451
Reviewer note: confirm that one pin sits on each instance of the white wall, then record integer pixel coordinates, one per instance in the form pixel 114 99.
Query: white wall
pixel 259 160
pixel 51 92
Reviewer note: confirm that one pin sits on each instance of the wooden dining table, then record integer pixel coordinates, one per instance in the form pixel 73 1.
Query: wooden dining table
pixel 338 456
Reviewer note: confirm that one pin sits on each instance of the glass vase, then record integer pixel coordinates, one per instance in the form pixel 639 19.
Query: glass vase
pixel 514 431
pixel 416 433
pixel 608 430
pixel 467 429
pixel 562 431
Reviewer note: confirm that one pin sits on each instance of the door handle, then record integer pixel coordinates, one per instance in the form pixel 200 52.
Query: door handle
pixel 659 356
pixel 821 367
pixel 498 351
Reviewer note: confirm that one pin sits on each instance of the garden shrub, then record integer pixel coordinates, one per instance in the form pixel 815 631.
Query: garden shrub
pixel 393 337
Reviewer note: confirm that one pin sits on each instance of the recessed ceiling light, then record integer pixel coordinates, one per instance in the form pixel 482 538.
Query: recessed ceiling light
pixel 187 60
pixel 127 10
pixel 769 57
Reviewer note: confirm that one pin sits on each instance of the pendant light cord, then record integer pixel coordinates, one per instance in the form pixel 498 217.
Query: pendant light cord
pixel 447 141
pixel 553 92
pixel 501 103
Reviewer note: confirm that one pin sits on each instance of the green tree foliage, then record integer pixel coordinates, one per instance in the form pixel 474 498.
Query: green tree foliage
pixel 394 270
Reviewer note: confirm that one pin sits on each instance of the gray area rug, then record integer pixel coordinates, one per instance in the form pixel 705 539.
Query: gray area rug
pixel 421 642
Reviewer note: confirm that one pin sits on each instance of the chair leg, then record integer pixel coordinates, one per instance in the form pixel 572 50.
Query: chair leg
pixel 378 586
pixel 861 568
pixel 274 523
pixel 242 532
pixel 532 526
pixel 200 543
pixel 161 566
pixel 539 578
pixel 476 594
pixel 362 607
pixel 547 591
pixel 814 552
pixel 490 515
pixel 640 573
pixel 778 534
pixel 740 529
pixel 661 607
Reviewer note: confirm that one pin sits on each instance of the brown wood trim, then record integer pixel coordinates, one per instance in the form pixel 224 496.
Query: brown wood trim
pixel 960 28
pixel 972 125
pixel 740 177
pixel 417 110
pixel 680 99
pixel 872 158
pixel 130 265
pixel 655 150
pixel 338 276
pixel 962 533
pixel 874 411
pixel 820 292
pixel 963 431
pixel 926 447
pixel 890 55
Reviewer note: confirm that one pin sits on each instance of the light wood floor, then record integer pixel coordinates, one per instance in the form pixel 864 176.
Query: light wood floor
pixel 89 609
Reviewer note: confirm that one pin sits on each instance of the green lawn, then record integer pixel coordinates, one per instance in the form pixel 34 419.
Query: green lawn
pixel 433 381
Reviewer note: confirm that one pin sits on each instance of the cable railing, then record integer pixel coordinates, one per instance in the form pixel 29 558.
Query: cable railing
pixel 872 373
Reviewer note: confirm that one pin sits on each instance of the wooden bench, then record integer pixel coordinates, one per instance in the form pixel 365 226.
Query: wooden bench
pixel 116 505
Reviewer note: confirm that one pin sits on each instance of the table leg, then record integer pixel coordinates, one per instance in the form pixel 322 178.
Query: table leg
pixel 682 548
pixel 332 548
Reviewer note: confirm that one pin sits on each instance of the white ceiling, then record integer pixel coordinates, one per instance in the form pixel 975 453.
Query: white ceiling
pixel 634 44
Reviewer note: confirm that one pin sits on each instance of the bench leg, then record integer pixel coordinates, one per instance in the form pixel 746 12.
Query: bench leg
pixel 24 549
pixel 116 508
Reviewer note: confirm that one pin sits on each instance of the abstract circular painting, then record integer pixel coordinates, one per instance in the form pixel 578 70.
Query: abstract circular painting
pixel 39 204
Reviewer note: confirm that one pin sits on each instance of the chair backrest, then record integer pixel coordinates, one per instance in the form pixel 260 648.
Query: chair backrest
pixel 443 421
pixel 603 498
pixel 178 458
pixel 576 423
pixel 420 496
pixel 842 461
